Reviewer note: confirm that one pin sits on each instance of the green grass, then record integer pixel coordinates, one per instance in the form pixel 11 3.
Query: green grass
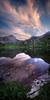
pixel 16 91
pixel 13 91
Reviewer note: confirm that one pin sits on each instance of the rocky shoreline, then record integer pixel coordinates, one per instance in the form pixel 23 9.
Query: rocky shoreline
pixel 37 84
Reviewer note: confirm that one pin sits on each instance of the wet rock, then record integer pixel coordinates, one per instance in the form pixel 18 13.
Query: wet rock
pixel 37 84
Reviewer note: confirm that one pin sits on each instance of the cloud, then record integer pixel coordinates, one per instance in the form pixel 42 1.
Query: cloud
pixel 48 7
pixel 35 15
pixel 20 34
pixel 21 19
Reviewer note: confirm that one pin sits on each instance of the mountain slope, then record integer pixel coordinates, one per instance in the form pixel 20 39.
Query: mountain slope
pixel 8 39
pixel 44 38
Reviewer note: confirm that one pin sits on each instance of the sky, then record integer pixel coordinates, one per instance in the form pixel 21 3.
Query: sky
pixel 24 18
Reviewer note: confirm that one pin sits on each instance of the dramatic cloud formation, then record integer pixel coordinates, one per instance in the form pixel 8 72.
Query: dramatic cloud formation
pixel 24 18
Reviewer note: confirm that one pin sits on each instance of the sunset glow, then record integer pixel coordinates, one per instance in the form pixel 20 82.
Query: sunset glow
pixel 24 18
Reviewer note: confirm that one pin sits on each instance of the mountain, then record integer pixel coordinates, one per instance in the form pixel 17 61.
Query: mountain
pixel 39 46
pixel 45 36
pixel 9 39
pixel 12 39
pixel 44 39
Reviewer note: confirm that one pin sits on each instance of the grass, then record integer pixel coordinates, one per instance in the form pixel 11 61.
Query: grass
pixel 13 91
pixel 16 91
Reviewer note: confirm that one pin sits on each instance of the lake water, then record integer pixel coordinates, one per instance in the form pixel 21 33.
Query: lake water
pixel 22 67
pixel 12 53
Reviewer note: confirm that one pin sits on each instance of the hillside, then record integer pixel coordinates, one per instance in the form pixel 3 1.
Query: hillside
pixel 39 46
pixel 8 39
pixel 40 41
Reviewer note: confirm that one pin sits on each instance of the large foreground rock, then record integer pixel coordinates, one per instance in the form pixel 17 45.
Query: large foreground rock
pixel 22 68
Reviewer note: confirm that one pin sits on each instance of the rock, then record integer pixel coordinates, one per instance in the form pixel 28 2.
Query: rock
pixel 37 84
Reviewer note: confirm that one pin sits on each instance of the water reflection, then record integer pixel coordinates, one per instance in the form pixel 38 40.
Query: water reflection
pixel 40 63
pixel 22 67
pixel 12 53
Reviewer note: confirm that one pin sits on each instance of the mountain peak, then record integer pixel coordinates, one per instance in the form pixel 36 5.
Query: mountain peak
pixel 8 39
